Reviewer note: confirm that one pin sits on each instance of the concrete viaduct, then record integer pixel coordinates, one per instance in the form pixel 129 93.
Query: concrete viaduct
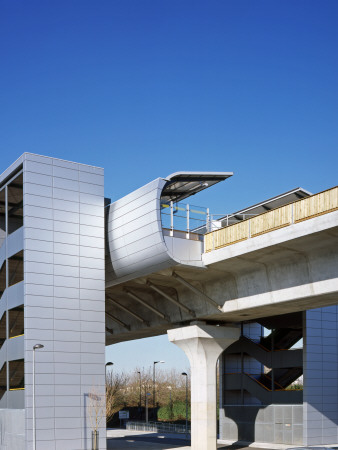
pixel 278 259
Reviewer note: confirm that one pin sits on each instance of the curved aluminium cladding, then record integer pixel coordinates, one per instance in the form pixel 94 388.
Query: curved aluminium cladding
pixel 136 243
pixel 135 240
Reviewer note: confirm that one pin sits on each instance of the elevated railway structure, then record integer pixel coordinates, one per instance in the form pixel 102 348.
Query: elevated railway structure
pixel 270 265
pixel 79 272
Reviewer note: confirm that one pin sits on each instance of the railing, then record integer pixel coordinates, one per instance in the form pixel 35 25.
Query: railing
pixel 307 208
pixel 184 217
pixel 161 427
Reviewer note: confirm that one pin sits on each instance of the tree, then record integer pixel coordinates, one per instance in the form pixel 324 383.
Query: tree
pixel 115 386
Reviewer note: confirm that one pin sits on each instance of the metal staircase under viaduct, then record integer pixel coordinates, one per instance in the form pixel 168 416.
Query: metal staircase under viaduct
pixel 281 364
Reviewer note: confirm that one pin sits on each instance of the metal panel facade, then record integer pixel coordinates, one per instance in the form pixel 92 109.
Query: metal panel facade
pixel 64 299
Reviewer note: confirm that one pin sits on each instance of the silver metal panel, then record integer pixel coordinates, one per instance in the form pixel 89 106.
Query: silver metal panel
pixel 62 172
pixel 90 199
pixel 41 235
pixel 35 200
pixel 93 221
pixel 43 180
pixel 63 216
pixel 57 308
pixel 94 263
pixel 35 189
pixel 33 222
pixel 64 194
pixel 86 230
pixel 91 178
pixel 137 261
pixel 37 167
pixel 184 250
pixel 91 189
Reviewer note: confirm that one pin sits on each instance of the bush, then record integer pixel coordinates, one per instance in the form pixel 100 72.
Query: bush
pixel 177 412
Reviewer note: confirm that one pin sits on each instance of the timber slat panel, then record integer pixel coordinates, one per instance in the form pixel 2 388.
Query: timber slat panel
pixel 272 220
pixel 227 236
pixel 316 205
pixel 307 208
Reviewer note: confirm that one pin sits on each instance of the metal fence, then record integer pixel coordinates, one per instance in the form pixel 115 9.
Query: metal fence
pixel 157 427
pixel 184 217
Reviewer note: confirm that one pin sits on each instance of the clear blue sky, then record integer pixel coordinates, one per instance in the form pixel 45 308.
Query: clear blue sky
pixel 145 88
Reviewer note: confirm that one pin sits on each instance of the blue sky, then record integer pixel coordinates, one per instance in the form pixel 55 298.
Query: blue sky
pixel 145 88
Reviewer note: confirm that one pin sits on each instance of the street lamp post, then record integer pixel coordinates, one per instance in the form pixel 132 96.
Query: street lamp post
pixel 147 395
pixel 108 364
pixel 170 404
pixel 140 389
pixel 186 401
pixel 36 347
pixel 154 388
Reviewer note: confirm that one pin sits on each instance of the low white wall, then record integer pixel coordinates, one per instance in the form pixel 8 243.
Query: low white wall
pixel 12 429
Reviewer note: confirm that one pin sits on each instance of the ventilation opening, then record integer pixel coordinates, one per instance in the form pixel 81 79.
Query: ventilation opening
pixel 16 322
pixel 15 268
pixel 2 216
pixel 2 278
pixel 15 204
pixel 16 375
pixel 3 380
pixel 3 329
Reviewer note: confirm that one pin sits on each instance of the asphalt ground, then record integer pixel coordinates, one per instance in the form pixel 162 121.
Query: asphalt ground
pixel 140 440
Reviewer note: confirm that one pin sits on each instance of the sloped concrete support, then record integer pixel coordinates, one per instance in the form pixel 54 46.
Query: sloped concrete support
pixel 203 344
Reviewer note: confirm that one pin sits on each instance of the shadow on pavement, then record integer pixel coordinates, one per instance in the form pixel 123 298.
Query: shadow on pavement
pixel 146 441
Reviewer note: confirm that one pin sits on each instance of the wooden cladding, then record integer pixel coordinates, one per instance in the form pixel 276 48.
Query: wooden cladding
pixel 227 236
pixel 272 220
pixel 316 205
pixel 313 206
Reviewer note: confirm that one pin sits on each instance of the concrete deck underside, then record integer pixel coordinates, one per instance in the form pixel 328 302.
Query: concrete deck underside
pixel 286 270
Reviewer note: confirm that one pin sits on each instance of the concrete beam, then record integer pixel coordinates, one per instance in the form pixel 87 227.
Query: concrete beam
pixel 171 299
pixel 115 319
pixel 195 290
pixel 203 344
pixel 127 310
pixel 144 303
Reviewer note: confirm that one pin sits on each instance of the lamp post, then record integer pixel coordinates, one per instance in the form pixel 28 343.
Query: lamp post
pixel 154 388
pixel 108 364
pixel 36 347
pixel 140 389
pixel 186 401
pixel 170 404
pixel 147 395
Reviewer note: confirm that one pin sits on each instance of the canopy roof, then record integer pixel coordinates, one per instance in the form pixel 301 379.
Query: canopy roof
pixel 266 205
pixel 181 185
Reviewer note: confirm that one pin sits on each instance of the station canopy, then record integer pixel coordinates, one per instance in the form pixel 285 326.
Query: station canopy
pixel 181 185
pixel 266 205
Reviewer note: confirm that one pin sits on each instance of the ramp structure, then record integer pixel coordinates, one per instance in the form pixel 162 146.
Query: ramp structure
pixel 78 272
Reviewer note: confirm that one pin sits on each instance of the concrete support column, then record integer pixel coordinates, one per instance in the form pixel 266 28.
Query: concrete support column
pixel 203 344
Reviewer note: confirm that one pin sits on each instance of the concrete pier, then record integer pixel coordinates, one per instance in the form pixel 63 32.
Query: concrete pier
pixel 203 344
